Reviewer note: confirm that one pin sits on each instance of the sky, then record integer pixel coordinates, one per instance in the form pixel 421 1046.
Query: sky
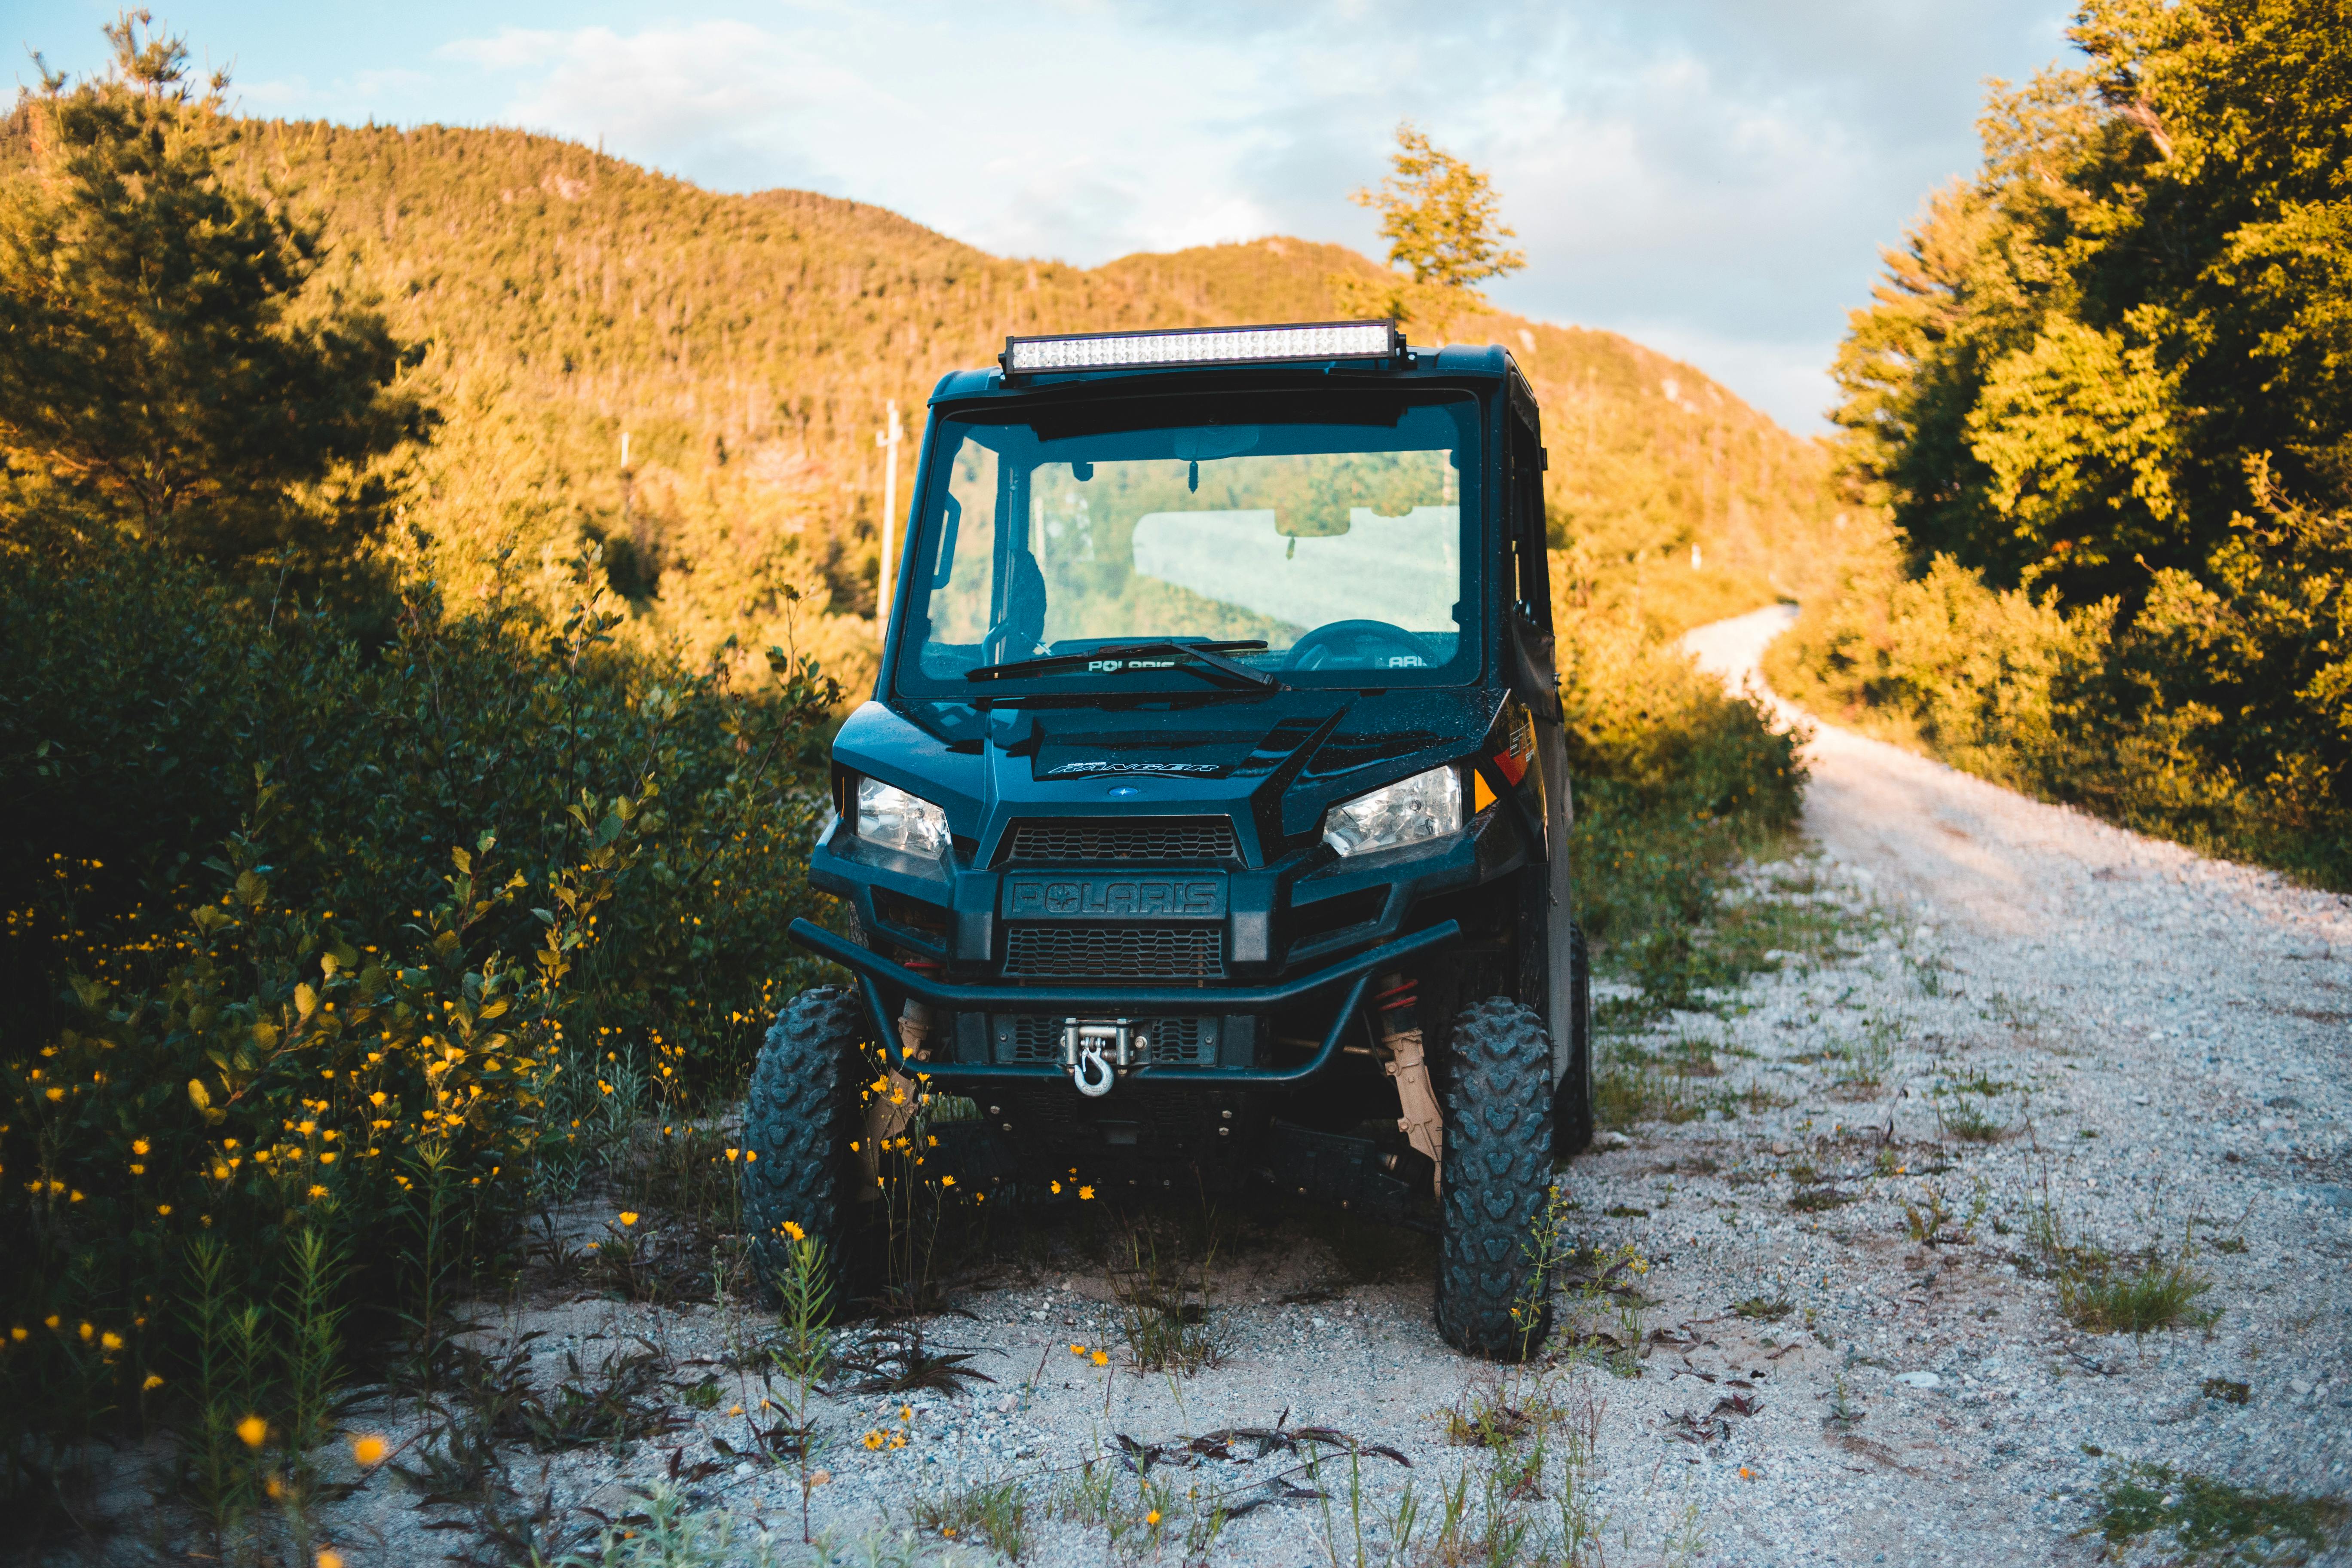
pixel 1714 178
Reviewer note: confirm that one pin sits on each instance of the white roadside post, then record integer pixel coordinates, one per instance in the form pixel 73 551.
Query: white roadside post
pixel 888 439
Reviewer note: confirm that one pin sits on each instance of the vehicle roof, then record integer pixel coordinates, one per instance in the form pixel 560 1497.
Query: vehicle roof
pixel 1454 362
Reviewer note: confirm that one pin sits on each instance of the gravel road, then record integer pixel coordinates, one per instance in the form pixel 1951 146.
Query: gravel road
pixel 1991 1016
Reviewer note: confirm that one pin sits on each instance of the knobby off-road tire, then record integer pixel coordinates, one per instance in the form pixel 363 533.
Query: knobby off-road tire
pixel 1497 1101
pixel 799 1118
pixel 1572 1122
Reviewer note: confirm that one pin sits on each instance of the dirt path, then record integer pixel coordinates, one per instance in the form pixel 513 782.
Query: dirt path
pixel 1816 1320
pixel 2200 1015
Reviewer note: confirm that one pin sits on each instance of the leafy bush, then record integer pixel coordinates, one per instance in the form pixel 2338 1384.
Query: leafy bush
pixel 1674 781
pixel 300 931
pixel 2211 714
pixel 2101 396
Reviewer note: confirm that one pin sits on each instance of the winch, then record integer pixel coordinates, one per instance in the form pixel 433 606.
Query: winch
pixel 1085 1043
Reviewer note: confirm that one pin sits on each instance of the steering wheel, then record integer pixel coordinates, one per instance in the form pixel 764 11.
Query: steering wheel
pixel 1322 648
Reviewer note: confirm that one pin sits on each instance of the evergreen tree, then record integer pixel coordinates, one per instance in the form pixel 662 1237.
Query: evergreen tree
pixel 169 360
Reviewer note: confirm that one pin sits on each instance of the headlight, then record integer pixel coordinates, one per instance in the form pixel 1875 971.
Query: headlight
pixel 895 820
pixel 1405 811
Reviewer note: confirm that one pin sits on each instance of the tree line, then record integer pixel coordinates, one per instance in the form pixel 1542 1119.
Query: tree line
pixel 2103 393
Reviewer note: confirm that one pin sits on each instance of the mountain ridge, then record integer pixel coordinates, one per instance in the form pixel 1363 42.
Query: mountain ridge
pixel 746 344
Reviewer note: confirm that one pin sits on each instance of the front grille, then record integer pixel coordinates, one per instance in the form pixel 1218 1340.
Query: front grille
pixel 1175 1042
pixel 1117 838
pixel 1117 952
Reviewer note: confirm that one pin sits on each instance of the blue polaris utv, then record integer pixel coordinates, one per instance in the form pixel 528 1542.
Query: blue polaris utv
pixel 1208 826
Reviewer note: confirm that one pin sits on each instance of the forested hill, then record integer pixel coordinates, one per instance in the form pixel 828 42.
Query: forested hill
pixel 747 345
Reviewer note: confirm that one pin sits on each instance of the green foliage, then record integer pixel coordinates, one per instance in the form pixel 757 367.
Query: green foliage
pixel 2103 395
pixel 2064 374
pixel 994 1513
pixel 163 358
pixel 332 987
pixel 2203 1515
pixel 263 1378
pixel 1442 219
pixel 1984 679
pixel 2213 713
pixel 1675 781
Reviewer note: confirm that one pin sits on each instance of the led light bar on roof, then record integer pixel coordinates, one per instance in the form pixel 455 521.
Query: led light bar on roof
pixel 1204 345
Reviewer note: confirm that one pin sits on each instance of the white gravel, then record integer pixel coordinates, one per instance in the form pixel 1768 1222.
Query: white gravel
pixel 2165 1039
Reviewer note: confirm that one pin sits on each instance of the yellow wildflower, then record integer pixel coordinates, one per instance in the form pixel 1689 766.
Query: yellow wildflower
pixel 154 1381
pixel 110 1340
pixel 252 1430
pixel 139 1147
pixel 794 1231
pixel 369 1450
pixel 628 1216
pixel 1086 1192
pixel 873 1440
pixel 1102 1357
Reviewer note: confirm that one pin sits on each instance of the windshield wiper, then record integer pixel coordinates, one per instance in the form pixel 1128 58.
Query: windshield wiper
pixel 1208 654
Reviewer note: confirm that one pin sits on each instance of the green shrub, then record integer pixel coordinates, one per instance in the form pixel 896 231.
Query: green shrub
pixel 2117 451
pixel 1674 781
pixel 2207 715
pixel 302 932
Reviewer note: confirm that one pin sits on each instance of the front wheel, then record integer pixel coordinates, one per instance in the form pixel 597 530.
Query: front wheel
pixel 1498 1102
pixel 798 1122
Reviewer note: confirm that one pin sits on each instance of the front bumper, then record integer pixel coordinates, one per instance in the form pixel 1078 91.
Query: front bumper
pixel 879 977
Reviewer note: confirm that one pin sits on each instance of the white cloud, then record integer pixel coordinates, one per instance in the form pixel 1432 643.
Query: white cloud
pixel 1706 176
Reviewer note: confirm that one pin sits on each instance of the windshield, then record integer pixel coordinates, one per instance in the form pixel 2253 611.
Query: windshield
pixel 1333 537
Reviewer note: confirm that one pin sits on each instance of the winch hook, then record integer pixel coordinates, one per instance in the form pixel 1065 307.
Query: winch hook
pixel 1093 1074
